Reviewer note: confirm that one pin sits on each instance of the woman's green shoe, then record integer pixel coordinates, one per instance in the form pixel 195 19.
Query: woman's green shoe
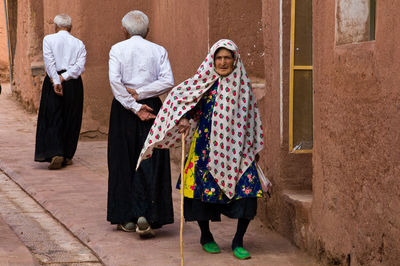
pixel 211 247
pixel 241 253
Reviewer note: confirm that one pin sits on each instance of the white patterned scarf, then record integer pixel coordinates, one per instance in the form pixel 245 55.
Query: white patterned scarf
pixel 236 130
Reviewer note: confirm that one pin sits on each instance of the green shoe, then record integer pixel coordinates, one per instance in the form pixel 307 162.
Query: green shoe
pixel 211 247
pixel 241 253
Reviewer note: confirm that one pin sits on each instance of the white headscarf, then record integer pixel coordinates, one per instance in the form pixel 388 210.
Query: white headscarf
pixel 236 132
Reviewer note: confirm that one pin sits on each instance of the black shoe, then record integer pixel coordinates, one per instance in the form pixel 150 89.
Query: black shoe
pixel 127 227
pixel 143 228
pixel 67 161
pixel 56 162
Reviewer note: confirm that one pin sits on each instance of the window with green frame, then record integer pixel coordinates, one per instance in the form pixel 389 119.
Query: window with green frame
pixel 301 78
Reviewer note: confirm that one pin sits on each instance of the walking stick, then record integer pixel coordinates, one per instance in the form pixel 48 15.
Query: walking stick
pixel 182 195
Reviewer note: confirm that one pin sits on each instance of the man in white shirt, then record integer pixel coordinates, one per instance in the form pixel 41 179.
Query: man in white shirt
pixel 139 71
pixel 61 103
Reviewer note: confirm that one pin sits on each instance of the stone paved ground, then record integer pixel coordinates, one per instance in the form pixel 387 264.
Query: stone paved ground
pixel 75 197
pixel 12 250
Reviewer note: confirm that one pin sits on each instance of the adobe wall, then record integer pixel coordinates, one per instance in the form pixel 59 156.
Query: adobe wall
pixel 182 28
pixel 4 76
pixel 188 29
pixel 356 204
pixel 240 21
pixel 28 76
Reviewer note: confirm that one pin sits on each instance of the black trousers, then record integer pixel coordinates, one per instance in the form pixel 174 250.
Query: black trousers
pixel 59 120
pixel 147 191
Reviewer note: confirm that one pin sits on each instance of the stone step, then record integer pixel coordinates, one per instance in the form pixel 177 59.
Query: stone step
pixel 298 204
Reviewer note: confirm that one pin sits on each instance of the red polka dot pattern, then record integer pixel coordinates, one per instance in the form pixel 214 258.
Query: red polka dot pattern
pixel 237 134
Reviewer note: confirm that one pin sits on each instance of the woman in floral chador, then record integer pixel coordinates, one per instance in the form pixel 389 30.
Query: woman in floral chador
pixel 217 111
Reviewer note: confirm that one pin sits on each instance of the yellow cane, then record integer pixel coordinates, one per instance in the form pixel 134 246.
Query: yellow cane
pixel 182 196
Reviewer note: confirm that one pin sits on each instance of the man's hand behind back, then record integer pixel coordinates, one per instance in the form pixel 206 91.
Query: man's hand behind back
pixel 145 113
pixel 133 93
pixel 58 89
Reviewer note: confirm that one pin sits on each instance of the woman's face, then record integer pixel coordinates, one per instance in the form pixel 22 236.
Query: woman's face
pixel 223 61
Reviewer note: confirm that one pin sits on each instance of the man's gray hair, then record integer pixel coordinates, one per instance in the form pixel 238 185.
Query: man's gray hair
pixel 63 21
pixel 136 23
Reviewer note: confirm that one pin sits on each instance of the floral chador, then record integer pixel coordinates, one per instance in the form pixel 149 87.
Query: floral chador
pixel 199 182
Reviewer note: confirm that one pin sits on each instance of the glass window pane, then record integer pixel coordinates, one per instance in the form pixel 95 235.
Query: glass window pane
pixel 302 110
pixel 303 33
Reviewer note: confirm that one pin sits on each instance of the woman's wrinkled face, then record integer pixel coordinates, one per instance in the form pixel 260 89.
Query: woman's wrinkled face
pixel 223 61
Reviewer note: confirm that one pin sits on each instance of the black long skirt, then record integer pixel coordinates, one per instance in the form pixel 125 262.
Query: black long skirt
pixel 196 210
pixel 59 120
pixel 147 191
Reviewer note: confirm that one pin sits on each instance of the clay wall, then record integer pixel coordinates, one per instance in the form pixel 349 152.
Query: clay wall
pixel 240 21
pixel 356 204
pixel 3 46
pixel 188 29
pixel 27 75
pixel 182 28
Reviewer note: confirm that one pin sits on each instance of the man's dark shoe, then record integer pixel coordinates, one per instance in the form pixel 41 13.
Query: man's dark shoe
pixel 127 227
pixel 56 162
pixel 67 161
pixel 143 228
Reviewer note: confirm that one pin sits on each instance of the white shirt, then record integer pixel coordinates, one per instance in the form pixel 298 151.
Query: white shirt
pixel 62 51
pixel 141 65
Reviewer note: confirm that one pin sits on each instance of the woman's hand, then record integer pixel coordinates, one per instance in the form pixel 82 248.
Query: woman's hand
pixel 184 126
